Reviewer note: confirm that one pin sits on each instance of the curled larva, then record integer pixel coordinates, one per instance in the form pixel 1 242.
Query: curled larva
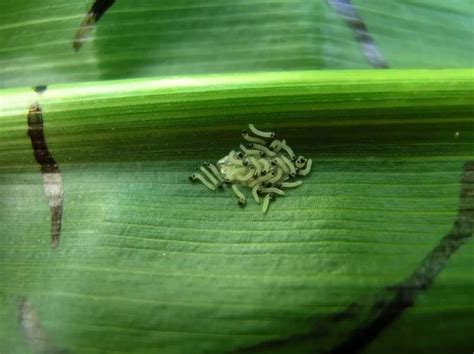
pixel 209 175
pixel 239 194
pixel 300 162
pixel 255 194
pixel 198 176
pixel 307 168
pixel 246 177
pixel 249 152
pixel 215 171
pixel 291 184
pixel 266 150
pixel 268 135
pixel 232 157
pixel 252 139
pixel 275 145
pixel 266 202
pixel 277 176
pixel 288 150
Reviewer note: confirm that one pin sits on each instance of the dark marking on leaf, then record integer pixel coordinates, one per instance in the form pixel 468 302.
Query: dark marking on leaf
pixel 52 180
pixel 351 330
pixel 346 9
pixel 33 332
pixel 93 16
pixel 40 89
pixel 387 310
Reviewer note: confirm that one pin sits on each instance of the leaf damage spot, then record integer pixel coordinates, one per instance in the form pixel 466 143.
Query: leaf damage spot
pixel 52 180
pixel 31 327
pixel 89 21
pixel 33 331
pixel 346 9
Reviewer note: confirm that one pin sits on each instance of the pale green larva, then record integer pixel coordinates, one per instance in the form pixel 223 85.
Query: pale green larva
pixel 263 148
pixel 199 177
pixel 209 175
pixel 275 145
pixel 307 169
pixel 291 184
pixel 239 194
pixel 281 164
pixel 266 202
pixel 289 164
pixel 255 194
pixel 268 135
pixel 215 171
pixel 265 165
pixel 273 190
pixel 251 152
pixel 252 139
pixel 256 164
pixel 289 150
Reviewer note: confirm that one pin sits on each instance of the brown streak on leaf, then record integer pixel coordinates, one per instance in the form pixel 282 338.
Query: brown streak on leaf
pixel 52 180
pixel 89 21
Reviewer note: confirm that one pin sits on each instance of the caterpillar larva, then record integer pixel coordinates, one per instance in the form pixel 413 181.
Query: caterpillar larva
pixel 288 150
pixel 268 135
pixel 266 202
pixel 265 166
pixel 256 164
pixel 255 194
pixel 215 171
pixel 300 162
pixel 233 158
pixel 213 179
pixel 275 145
pixel 260 180
pixel 262 166
pixel 289 164
pixel 266 150
pixel 198 176
pixel 252 139
pixel 253 152
pixel 291 184
pixel 240 196
pixel 307 169
pixel 281 164
pixel 244 178
pixel 273 190
pixel 277 176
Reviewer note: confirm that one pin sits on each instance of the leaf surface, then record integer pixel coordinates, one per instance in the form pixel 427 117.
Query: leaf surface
pixel 149 262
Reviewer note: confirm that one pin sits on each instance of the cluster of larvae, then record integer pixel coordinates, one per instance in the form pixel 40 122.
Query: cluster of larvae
pixel 265 164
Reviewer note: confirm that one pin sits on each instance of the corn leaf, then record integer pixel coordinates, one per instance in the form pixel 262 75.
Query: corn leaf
pixel 148 262
pixel 107 247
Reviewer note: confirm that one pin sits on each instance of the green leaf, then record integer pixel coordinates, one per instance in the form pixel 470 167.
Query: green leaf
pixel 145 38
pixel 149 262
pixel 370 254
